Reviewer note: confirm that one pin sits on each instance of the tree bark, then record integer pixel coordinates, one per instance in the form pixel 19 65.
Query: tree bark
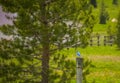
pixel 45 44
pixel 45 64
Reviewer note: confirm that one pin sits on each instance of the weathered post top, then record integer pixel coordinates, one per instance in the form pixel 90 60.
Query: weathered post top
pixel 79 61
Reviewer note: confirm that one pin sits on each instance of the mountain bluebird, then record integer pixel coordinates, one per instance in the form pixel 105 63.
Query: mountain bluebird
pixel 78 53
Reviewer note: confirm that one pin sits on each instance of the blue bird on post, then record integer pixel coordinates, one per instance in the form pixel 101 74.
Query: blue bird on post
pixel 78 53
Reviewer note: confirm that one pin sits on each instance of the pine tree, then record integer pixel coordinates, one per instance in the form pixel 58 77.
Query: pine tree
pixel 104 16
pixel 41 29
pixel 94 3
pixel 115 2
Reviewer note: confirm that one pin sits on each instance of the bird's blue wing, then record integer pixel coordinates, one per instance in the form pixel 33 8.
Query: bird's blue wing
pixel 78 53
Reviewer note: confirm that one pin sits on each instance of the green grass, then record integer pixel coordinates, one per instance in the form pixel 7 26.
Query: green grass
pixel 100 50
pixel 105 59
pixel 106 70
pixel 101 29
pixel 94 51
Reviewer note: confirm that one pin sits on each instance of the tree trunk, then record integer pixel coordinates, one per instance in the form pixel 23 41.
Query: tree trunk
pixel 45 44
pixel 45 64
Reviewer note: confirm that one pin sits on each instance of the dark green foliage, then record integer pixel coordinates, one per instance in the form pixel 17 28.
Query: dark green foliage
pixel 86 66
pixel 115 2
pixel 94 3
pixel 104 16
pixel 118 31
pixel 62 69
pixel 16 61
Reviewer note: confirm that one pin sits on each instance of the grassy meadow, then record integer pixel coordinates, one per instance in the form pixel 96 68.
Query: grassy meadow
pixel 106 59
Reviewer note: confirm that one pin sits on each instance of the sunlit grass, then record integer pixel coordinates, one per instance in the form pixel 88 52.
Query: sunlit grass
pixel 93 51
pixel 106 60
pixel 100 29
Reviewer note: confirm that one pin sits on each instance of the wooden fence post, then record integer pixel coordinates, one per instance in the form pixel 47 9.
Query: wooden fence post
pixel 98 40
pixel 79 65
pixel 110 40
pixel 104 40
pixel 91 42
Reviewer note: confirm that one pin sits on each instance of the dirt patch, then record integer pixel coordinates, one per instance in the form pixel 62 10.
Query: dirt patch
pixel 105 58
